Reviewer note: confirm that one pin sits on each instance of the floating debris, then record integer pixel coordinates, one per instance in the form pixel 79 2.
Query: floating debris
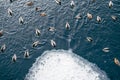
pixel 26 54
pixel 43 14
pixel 53 43
pixel 89 39
pixel 35 43
pixel 78 16
pixel 99 18
pixel 51 29
pixel 10 12
pixel 3 47
pixel 29 3
pixel 116 61
pixel 106 49
pixel 114 17
pixel 67 26
pixel 1 33
pixel 37 31
pixel 72 4
pixel 14 58
pixel 58 2
pixel 110 4
pixel 21 21
pixel 89 16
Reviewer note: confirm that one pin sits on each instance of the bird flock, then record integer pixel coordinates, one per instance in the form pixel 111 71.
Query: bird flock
pixel 52 29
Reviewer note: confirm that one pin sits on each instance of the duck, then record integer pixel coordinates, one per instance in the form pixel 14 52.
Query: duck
pixel 116 61
pixel 114 17
pixel 53 43
pixel 43 14
pixel 110 4
pixel 14 58
pixel 106 49
pixel 78 16
pixel 37 31
pixel 37 9
pixel 89 16
pixel 67 26
pixel 51 29
pixel 30 3
pixel 89 39
pixel 21 21
pixel 72 4
pixel 1 33
pixel 10 12
pixel 26 54
pixel 35 43
pixel 3 47
pixel 58 2
pixel 99 18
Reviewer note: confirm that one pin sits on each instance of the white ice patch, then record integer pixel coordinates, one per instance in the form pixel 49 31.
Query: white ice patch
pixel 64 65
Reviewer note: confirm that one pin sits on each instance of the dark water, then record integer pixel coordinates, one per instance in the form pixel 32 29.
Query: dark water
pixel 19 37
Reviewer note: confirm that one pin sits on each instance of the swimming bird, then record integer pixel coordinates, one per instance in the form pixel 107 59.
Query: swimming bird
pixel 89 16
pixel 78 16
pixel 72 4
pixel 37 31
pixel 89 39
pixel 35 43
pixel 10 12
pixel 1 33
pixel 37 9
pixel 114 17
pixel 58 2
pixel 51 29
pixel 116 61
pixel 43 14
pixel 26 54
pixel 99 18
pixel 67 26
pixel 21 21
pixel 14 58
pixel 3 47
pixel 53 43
pixel 110 4
pixel 106 49
pixel 30 3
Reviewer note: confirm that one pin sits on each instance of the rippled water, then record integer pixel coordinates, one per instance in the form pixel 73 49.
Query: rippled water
pixel 19 37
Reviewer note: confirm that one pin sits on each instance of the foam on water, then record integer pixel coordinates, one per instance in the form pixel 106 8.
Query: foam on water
pixel 64 65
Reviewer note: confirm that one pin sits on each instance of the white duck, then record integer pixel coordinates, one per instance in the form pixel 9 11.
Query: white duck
pixel 37 31
pixel 3 47
pixel 10 12
pixel 14 58
pixel 110 4
pixel 106 49
pixel 67 26
pixel 89 16
pixel 99 18
pixel 26 54
pixel 72 4
pixel 35 43
pixel 58 2
pixel 21 21
pixel 89 39
pixel 53 43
